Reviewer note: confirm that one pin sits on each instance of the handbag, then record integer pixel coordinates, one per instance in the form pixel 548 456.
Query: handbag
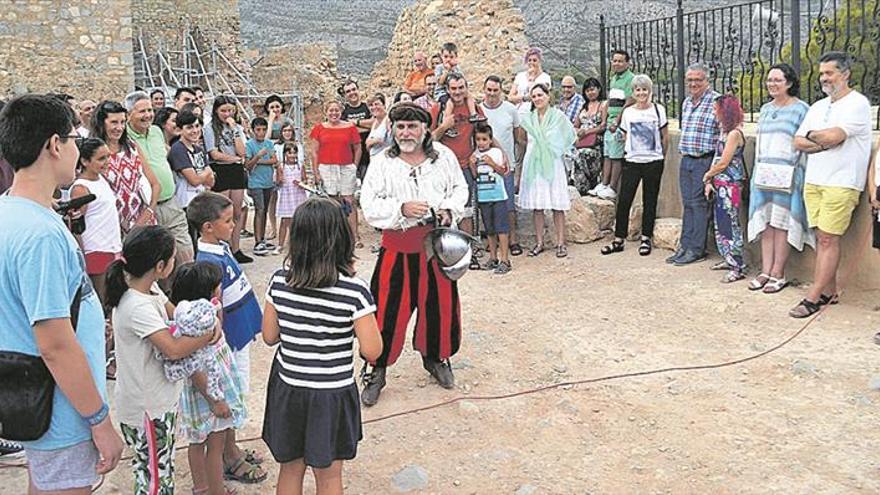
pixel 587 141
pixel 27 390
pixel 774 177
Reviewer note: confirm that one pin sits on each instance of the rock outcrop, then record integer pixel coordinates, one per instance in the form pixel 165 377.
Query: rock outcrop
pixel 490 35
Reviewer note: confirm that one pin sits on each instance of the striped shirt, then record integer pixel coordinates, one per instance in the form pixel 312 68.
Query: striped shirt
pixel 699 129
pixel 317 330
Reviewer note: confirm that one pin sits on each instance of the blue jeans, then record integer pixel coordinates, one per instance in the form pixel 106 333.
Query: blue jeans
pixel 697 210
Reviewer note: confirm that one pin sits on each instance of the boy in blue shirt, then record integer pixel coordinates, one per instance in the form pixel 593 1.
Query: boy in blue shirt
pixel 487 166
pixel 260 162
pixel 41 271
pixel 211 214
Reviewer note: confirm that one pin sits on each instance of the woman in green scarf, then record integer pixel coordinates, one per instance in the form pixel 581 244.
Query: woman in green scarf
pixel 543 185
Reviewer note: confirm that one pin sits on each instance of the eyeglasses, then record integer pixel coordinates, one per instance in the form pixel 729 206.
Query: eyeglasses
pixel 69 136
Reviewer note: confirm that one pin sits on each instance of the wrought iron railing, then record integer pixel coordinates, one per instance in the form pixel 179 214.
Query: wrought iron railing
pixel 739 43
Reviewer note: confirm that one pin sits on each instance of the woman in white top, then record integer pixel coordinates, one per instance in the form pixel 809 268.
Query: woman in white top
pixel 646 139
pixel 525 80
pixel 379 137
pixel 101 240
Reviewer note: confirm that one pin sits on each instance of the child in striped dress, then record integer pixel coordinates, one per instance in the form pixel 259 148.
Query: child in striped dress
pixel 315 308
pixel 290 194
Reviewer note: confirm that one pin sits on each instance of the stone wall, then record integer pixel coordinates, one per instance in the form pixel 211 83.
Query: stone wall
pixel 491 39
pixel 81 47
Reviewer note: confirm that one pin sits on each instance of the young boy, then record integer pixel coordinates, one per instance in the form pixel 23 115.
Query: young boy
pixel 260 163
pixel 211 214
pixel 450 65
pixel 487 165
pixel 190 163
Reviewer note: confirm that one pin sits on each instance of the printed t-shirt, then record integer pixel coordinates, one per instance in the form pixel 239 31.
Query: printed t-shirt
pixel 490 184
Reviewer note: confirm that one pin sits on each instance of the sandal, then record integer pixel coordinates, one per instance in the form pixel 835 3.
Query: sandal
pixel 804 309
pixel 244 472
pixel 252 456
pixel 826 299
pixel 515 249
pixel 721 265
pixel 615 247
pixel 732 276
pixel 535 251
pixel 561 251
pixel 475 264
pixel 645 247
pixel 775 285
pixel 759 281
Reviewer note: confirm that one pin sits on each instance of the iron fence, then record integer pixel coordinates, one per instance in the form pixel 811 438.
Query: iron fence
pixel 739 43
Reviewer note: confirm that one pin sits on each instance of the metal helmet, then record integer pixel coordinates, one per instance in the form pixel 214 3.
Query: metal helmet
pixel 452 248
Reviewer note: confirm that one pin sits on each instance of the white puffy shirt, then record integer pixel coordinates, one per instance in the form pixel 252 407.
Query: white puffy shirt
pixel 390 182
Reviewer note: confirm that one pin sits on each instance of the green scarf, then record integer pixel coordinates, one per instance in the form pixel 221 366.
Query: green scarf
pixel 549 140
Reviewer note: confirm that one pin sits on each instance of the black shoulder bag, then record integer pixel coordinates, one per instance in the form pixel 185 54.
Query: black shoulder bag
pixel 27 389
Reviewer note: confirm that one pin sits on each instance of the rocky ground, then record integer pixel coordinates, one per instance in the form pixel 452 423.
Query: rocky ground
pixel 799 420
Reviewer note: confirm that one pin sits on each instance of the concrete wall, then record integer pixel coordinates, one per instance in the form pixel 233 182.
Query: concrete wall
pixel 856 242
pixel 81 47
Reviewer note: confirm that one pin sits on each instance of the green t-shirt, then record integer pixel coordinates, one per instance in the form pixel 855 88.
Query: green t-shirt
pixel 616 84
pixel 153 145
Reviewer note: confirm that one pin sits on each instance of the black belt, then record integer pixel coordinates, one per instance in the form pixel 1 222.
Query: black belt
pixel 704 155
pixel 164 201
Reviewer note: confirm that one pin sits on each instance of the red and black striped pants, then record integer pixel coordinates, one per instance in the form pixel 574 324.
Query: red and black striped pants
pixel 405 282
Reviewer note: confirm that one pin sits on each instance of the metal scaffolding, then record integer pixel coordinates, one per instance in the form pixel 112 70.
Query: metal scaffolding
pixel 198 60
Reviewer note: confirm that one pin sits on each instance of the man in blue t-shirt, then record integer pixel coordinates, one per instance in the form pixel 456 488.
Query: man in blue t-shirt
pixel 41 270
pixel 260 162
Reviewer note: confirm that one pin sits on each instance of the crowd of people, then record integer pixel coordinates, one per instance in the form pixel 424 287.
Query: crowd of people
pixel 151 292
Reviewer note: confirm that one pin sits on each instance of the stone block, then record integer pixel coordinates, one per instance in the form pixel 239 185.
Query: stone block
pixel 667 233
pixel 603 209
pixel 635 223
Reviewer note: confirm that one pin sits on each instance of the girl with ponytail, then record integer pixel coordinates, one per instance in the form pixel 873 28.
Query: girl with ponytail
pixel 145 399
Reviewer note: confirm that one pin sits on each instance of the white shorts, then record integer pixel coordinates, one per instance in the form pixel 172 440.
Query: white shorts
pixel 339 180
pixel 243 363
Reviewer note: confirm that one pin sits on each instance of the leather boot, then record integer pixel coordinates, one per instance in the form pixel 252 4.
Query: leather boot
pixel 374 382
pixel 441 371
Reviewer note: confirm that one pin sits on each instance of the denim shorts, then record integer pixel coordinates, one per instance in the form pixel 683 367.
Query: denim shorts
pixel 261 197
pixel 494 214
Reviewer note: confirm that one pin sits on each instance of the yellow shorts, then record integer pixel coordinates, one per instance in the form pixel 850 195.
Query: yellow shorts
pixel 830 208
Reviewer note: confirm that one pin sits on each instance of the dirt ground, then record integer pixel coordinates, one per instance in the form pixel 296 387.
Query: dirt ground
pixel 801 420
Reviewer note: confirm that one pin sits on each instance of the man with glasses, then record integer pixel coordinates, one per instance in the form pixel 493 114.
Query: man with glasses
pixel 415 80
pixel 699 137
pixel 426 101
pixel 570 102
pixel 42 283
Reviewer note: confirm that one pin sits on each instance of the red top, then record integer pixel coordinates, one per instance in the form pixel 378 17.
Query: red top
pixel 334 144
pixel 463 144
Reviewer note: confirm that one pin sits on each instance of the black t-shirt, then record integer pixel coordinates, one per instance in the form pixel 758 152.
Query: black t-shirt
pixel 353 114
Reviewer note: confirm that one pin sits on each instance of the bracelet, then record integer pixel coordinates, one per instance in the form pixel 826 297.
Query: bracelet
pixel 98 417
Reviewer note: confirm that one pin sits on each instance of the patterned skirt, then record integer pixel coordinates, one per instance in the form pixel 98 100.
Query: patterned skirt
pixel 196 420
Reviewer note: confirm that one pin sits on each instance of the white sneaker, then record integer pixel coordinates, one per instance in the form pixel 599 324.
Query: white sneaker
pixel 607 193
pixel 595 191
pixel 276 251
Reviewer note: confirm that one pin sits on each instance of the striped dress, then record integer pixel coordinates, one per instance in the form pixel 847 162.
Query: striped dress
pixel 781 210
pixel 312 405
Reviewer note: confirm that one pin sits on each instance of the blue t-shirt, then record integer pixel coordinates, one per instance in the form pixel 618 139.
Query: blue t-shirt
pixel 261 175
pixel 490 184
pixel 41 268
pixel 242 317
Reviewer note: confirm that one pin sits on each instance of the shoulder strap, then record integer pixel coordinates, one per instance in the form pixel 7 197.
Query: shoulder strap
pixel 657 111
pixel 74 307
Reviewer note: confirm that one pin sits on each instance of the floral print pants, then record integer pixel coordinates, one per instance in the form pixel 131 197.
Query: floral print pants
pixel 728 231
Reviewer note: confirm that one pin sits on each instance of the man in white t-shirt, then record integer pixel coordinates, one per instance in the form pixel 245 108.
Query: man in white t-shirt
pixel 836 136
pixel 504 118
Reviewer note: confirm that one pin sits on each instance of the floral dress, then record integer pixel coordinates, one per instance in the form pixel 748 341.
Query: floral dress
pixel 584 164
